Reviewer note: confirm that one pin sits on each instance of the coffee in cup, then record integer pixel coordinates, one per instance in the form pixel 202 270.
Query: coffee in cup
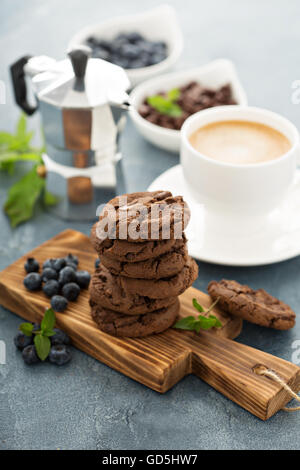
pixel 235 186
pixel 240 142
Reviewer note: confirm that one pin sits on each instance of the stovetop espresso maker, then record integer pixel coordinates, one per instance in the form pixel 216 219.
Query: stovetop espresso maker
pixel 83 102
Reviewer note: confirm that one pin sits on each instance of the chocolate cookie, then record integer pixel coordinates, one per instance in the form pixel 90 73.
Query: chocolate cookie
pixel 122 250
pixel 256 306
pixel 106 290
pixel 134 326
pixel 137 217
pixel 161 288
pixel 166 265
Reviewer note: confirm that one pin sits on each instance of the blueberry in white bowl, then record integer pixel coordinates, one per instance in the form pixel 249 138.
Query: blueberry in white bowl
pixel 157 26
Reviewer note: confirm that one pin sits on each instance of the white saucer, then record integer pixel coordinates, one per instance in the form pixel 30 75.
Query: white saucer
pixel 228 240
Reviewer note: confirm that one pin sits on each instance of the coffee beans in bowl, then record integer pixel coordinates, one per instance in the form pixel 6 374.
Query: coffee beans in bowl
pixel 170 109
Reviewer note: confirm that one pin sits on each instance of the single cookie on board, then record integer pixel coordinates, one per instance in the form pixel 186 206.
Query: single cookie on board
pixel 122 250
pixel 166 265
pixel 161 288
pixel 256 306
pixel 134 326
pixel 138 217
pixel 107 291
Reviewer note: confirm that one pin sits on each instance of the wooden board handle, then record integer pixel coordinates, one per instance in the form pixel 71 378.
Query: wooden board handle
pixel 230 368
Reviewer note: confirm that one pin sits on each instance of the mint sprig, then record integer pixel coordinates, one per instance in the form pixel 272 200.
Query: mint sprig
pixel 41 339
pixel 166 104
pixel 26 328
pixel 24 194
pixel 200 322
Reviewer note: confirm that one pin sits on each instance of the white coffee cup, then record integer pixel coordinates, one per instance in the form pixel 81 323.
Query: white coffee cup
pixel 252 189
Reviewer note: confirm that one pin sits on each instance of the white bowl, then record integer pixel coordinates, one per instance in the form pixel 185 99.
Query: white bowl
pixel 158 24
pixel 212 75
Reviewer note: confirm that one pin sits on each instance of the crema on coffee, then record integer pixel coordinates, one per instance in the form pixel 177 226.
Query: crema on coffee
pixel 239 142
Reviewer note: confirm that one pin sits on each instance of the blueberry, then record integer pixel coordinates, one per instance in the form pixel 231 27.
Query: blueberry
pixel 31 265
pixel 136 64
pixel 72 265
pixel 92 41
pixel 159 46
pixel 59 303
pixel 71 259
pixel 134 37
pixel 156 58
pixel 60 337
pixel 22 341
pixel 130 51
pixel 104 44
pixel 29 355
pixel 97 263
pixel 33 281
pixel 122 37
pixel 59 263
pixel 51 288
pixel 146 46
pixel 117 44
pixel 67 275
pixel 49 263
pixel 83 279
pixel 49 273
pixel 101 53
pixel 145 59
pixel 120 61
pixel 71 291
pixel 59 354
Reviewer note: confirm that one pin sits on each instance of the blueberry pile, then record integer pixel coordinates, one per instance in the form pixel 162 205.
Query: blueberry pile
pixel 59 354
pixel 59 280
pixel 128 50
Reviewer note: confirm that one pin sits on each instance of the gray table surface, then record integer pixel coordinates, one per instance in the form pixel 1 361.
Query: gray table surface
pixel 87 405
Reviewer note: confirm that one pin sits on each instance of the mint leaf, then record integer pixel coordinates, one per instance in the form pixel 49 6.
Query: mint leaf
pixel 50 199
pixel 48 321
pixel 22 197
pixel 26 328
pixel 42 346
pixel 24 194
pixel 186 323
pixel 173 94
pixel 198 306
pixel 48 333
pixel 166 104
pixel 201 322
pixel 207 322
pixel 8 157
pixel 8 166
pixel 21 126
pixel 217 324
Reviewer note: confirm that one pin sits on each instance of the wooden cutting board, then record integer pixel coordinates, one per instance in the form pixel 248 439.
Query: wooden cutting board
pixel 158 361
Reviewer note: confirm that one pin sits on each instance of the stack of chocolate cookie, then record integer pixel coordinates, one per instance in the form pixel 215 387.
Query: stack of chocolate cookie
pixel 134 291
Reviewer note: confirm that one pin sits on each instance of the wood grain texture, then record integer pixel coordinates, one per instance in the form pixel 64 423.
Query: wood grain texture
pixel 158 361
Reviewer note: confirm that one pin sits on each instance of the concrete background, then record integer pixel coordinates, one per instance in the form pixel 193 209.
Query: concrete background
pixel 86 405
